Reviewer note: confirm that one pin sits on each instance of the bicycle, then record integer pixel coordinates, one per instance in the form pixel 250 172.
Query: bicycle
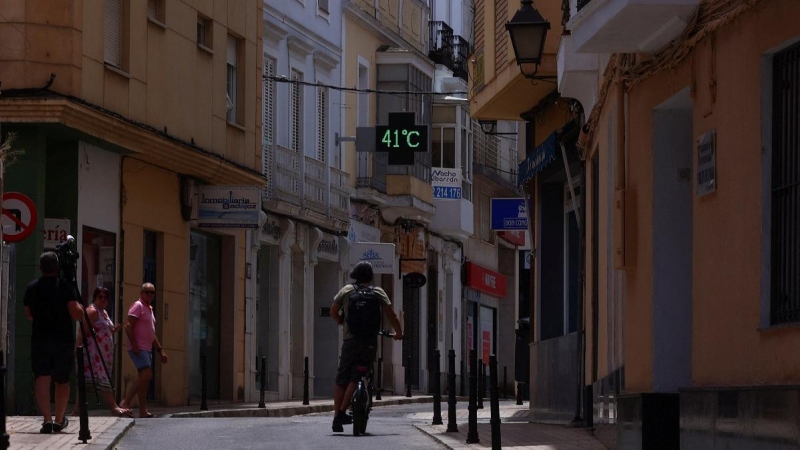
pixel 361 403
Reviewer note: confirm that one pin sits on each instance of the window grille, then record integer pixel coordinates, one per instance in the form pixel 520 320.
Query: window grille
pixel 785 281
pixel 322 123
pixel 296 113
pixel 112 45
pixel 268 125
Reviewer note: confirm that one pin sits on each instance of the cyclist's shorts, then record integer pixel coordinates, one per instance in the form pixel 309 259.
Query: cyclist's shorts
pixel 355 352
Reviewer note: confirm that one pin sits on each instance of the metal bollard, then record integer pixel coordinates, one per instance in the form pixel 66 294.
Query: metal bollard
pixel 380 379
pixel 203 380
pixel 305 382
pixel 83 434
pixel 519 393
pixel 481 382
pixel 505 385
pixel 494 402
pixel 408 376
pixel 437 390
pixel 4 439
pixel 485 380
pixel 451 392
pixel 263 376
pixel 472 433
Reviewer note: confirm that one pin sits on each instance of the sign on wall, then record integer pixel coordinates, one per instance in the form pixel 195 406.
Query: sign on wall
pixel 55 231
pixel 381 256
pixel 328 247
pixel 401 138
pixel 486 280
pixel 509 214
pixel 446 183
pixel 18 216
pixel 228 206
pixel 360 232
pixel 706 163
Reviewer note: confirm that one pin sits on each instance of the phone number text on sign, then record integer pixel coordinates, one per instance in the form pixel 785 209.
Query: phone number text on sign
pixel 446 192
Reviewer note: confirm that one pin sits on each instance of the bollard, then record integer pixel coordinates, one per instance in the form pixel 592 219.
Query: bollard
pixel 203 387
pixel 463 381
pixel 84 434
pixel 4 439
pixel 408 376
pixel 380 379
pixel 494 402
pixel 437 390
pixel 263 375
pixel 485 381
pixel 519 393
pixel 451 392
pixel 480 384
pixel 472 433
pixel 505 385
pixel 305 382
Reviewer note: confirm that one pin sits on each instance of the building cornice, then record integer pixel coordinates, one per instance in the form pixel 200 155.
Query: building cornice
pixel 374 26
pixel 325 61
pixel 298 46
pixel 146 144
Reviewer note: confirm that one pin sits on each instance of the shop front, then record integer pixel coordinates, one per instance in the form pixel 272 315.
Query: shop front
pixel 482 300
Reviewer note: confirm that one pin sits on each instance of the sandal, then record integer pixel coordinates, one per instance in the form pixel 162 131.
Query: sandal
pixel 148 416
pixel 122 412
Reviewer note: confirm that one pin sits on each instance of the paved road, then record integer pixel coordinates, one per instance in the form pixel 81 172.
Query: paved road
pixel 390 427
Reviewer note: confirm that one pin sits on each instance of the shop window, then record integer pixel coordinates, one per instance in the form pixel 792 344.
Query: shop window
pixel 98 266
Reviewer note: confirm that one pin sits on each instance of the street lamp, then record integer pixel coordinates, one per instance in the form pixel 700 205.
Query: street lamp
pixel 528 30
pixel 488 127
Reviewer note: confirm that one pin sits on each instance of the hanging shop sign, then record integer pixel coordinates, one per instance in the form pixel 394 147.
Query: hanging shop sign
pixel 271 229
pixel 381 256
pixel 414 280
pixel 55 231
pixel 706 164
pixel 509 214
pixel 513 237
pixel 486 280
pixel 359 232
pixel 402 138
pixel 328 247
pixel 18 216
pixel 446 183
pixel 229 207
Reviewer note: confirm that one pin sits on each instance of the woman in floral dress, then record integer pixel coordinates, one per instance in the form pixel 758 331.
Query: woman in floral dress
pixel 101 368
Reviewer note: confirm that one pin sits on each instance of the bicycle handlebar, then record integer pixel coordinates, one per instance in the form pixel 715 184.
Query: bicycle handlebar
pixel 386 334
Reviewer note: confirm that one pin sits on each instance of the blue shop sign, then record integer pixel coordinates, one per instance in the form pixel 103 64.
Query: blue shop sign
pixel 509 214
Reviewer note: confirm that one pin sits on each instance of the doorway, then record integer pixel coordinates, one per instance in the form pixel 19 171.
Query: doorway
pixel 267 309
pixel 204 313
pixel 411 342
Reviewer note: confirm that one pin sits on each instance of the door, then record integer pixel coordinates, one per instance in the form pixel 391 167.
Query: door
pixel 204 313
pixel 433 317
pixel 411 334
pixel 149 271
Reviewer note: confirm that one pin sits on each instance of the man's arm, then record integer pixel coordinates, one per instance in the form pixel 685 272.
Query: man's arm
pixel 130 324
pixel 390 314
pixel 75 310
pixel 335 313
pixel 160 350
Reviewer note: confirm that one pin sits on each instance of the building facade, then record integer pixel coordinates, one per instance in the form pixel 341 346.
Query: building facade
pixel 121 140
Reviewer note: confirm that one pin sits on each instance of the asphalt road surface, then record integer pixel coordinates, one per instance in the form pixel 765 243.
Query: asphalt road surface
pixel 389 427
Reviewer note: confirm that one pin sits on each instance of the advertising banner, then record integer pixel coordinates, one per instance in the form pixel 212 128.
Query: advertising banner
pixel 229 206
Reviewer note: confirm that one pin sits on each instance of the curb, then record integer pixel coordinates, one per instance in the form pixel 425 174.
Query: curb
pixel 288 411
pixel 112 435
pixel 445 440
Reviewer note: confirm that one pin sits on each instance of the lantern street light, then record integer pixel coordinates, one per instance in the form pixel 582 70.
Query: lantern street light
pixel 528 30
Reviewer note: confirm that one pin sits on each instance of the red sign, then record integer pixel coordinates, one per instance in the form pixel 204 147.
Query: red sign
pixel 512 237
pixel 18 216
pixel 487 345
pixel 485 280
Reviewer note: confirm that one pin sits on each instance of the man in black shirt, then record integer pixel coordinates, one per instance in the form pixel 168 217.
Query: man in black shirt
pixel 52 305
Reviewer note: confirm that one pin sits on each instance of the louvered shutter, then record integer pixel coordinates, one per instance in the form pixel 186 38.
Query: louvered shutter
pixel 112 45
pixel 297 113
pixel 268 127
pixel 322 123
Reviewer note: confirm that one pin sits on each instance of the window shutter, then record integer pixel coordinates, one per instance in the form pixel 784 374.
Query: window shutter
pixel 322 122
pixel 297 113
pixel 268 126
pixel 152 9
pixel 112 46
pixel 231 51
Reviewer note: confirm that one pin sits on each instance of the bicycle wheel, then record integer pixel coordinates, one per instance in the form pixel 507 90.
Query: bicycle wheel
pixel 359 410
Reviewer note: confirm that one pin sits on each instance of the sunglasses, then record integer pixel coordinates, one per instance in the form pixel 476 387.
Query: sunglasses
pixel 149 292
pixel 102 296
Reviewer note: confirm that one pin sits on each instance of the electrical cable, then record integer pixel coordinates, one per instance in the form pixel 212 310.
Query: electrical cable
pixel 283 79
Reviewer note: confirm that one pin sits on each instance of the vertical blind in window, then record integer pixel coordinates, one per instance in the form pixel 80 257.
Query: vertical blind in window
pixel 296 113
pixel 112 45
pixel 322 122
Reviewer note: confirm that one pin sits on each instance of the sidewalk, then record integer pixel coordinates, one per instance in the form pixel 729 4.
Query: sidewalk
pixel 23 432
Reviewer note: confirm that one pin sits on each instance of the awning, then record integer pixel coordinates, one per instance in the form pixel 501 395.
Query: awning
pixel 543 155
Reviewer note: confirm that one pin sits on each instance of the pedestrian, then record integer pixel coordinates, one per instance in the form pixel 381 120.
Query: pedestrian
pixel 141 330
pixel 358 347
pixel 52 305
pixel 98 361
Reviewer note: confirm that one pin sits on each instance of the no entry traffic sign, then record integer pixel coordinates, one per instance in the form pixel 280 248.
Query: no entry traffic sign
pixel 18 215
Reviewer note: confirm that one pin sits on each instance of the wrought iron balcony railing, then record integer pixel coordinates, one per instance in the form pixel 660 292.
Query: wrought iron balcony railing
pixel 440 43
pixel 461 51
pixel 371 172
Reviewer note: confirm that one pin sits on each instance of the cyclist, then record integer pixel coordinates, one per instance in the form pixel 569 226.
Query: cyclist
pixel 356 349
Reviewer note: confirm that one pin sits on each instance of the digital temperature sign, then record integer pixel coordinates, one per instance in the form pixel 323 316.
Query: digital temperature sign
pixel 401 138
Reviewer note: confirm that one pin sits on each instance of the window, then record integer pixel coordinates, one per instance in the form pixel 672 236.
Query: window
pixel 322 123
pixel 268 124
pixel 466 154
pixel 231 56
pixel 486 219
pixel 323 5
pixel 443 147
pixel 204 32
pixel 785 189
pixel 296 113
pixel 112 44
pixel 155 10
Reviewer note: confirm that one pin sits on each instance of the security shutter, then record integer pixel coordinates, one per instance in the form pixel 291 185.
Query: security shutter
pixel 268 127
pixel 112 45
pixel 296 112
pixel 322 122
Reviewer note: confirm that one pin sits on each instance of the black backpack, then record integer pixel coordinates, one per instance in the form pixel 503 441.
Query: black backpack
pixel 364 312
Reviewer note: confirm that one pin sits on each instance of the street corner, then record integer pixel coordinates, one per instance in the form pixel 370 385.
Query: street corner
pixel 439 434
pixel 105 432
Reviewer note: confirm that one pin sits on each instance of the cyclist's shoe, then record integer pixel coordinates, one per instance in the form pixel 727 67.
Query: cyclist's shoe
pixel 339 420
pixel 345 419
pixel 337 426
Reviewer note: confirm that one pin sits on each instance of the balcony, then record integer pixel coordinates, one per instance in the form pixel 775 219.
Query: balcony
pixel 440 45
pixel 453 218
pixel 461 52
pixel 371 175
pixel 322 197
pixel 493 160
pixel 628 26
pixel 577 73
